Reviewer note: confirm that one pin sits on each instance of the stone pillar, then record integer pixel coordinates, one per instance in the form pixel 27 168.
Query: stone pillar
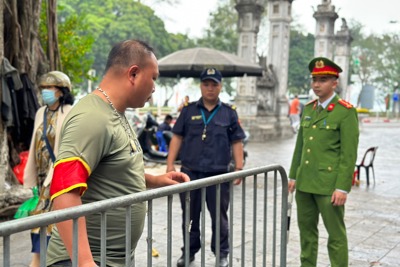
pixel 342 57
pixel 279 13
pixel 248 26
pixel 262 103
pixel 324 31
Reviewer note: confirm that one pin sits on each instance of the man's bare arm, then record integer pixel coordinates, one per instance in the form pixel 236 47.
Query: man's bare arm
pixel 237 152
pixel 67 200
pixel 174 147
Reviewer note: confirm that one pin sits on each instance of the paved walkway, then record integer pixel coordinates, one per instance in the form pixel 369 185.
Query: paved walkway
pixel 372 213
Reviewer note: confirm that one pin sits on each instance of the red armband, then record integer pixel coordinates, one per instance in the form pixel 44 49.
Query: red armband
pixel 69 174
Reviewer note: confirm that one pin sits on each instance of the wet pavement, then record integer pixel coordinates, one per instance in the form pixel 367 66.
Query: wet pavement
pixel 372 212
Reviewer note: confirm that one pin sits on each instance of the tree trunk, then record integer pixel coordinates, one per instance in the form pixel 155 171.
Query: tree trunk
pixel 22 47
pixel 52 34
pixel 20 44
pixel 3 136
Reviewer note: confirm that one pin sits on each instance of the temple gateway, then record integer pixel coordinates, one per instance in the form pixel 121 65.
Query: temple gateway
pixel 262 101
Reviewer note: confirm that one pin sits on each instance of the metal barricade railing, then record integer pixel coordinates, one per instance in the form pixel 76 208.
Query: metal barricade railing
pixel 268 242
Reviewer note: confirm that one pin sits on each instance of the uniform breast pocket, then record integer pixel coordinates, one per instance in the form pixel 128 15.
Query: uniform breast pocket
pixel 221 129
pixel 330 129
pixel 195 128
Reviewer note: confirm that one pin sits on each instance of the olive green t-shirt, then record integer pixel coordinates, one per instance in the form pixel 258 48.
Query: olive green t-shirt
pixel 94 133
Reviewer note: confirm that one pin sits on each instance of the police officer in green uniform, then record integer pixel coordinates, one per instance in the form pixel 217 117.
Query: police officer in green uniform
pixel 323 165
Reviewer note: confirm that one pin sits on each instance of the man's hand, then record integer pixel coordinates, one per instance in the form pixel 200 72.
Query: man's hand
pixel 338 198
pixel 239 180
pixel 170 178
pixel 291 186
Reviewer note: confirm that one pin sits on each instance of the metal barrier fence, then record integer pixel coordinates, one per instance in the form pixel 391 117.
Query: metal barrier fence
pixel 258 232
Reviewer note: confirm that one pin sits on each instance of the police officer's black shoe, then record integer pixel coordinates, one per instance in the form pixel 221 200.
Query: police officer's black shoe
pixel 223 261
pixel 181 260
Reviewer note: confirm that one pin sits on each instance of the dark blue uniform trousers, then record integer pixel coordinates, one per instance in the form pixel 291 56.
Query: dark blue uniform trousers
pixel 195 210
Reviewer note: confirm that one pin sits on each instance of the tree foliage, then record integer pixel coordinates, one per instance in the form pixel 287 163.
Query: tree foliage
pixel 300 52
pixel 113 21
pixel 222 32
pixel 389 66
pixel 74 43
pixel 376 58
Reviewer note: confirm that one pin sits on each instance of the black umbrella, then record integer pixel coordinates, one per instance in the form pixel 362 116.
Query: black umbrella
pixel 191 62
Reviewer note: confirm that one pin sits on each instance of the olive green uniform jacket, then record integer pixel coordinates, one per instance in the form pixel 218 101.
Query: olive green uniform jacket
pixel 326 148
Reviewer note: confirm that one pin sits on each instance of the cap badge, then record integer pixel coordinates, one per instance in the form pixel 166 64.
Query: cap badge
pixel 319 64
pixel 210 72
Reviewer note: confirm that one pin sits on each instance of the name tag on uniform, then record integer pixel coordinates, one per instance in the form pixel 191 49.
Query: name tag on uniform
pixel 198 117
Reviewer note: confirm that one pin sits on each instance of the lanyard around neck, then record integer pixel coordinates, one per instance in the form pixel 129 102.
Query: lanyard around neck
pixel 211 116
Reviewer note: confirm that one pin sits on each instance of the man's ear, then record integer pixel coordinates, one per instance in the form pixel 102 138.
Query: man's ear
pixel 133 70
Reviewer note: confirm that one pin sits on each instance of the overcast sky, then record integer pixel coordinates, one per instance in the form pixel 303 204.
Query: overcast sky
pixel 191 16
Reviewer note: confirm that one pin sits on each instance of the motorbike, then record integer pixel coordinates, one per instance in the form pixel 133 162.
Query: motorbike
pixel 146 131
pixel 148 141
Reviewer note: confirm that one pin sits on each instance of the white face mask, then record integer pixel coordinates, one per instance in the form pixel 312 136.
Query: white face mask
pixel 49 97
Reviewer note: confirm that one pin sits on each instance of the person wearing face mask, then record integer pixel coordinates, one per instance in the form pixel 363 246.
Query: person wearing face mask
pixel 55 89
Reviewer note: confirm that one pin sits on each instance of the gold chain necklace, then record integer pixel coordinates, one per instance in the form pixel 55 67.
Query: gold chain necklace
pixel 124 123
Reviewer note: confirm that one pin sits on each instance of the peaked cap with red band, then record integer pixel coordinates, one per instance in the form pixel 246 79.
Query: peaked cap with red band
pixel 323 66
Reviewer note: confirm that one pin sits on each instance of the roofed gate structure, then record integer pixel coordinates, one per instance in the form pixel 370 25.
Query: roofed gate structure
pixel 262 105
pixel 262 102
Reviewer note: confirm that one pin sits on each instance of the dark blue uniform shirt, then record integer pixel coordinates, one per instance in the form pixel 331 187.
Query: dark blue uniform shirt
pixel 164 127
pixel 212 154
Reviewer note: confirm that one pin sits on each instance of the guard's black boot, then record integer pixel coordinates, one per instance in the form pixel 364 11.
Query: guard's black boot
pixel 181 260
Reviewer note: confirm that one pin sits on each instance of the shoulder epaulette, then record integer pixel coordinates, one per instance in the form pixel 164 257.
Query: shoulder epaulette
pixel 229 106
pixel 345 103
pixel 312 101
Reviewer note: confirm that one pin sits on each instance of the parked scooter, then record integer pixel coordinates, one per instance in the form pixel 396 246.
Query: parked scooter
pixel 147 139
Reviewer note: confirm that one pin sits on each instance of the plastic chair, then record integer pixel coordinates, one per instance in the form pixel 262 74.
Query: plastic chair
pixel 367 162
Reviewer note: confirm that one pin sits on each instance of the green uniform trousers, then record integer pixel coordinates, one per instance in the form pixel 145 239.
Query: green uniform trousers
pixel 309 206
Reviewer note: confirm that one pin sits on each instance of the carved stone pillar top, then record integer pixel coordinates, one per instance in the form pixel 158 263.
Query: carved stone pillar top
pixel 326 10
pixel 251 2
pixel 249 6
pixel 249 15
pixel 280 11
pixel 343 35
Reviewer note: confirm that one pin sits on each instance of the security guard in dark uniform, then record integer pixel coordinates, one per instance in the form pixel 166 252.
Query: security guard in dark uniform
pixel 206 134
pixel 323 165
